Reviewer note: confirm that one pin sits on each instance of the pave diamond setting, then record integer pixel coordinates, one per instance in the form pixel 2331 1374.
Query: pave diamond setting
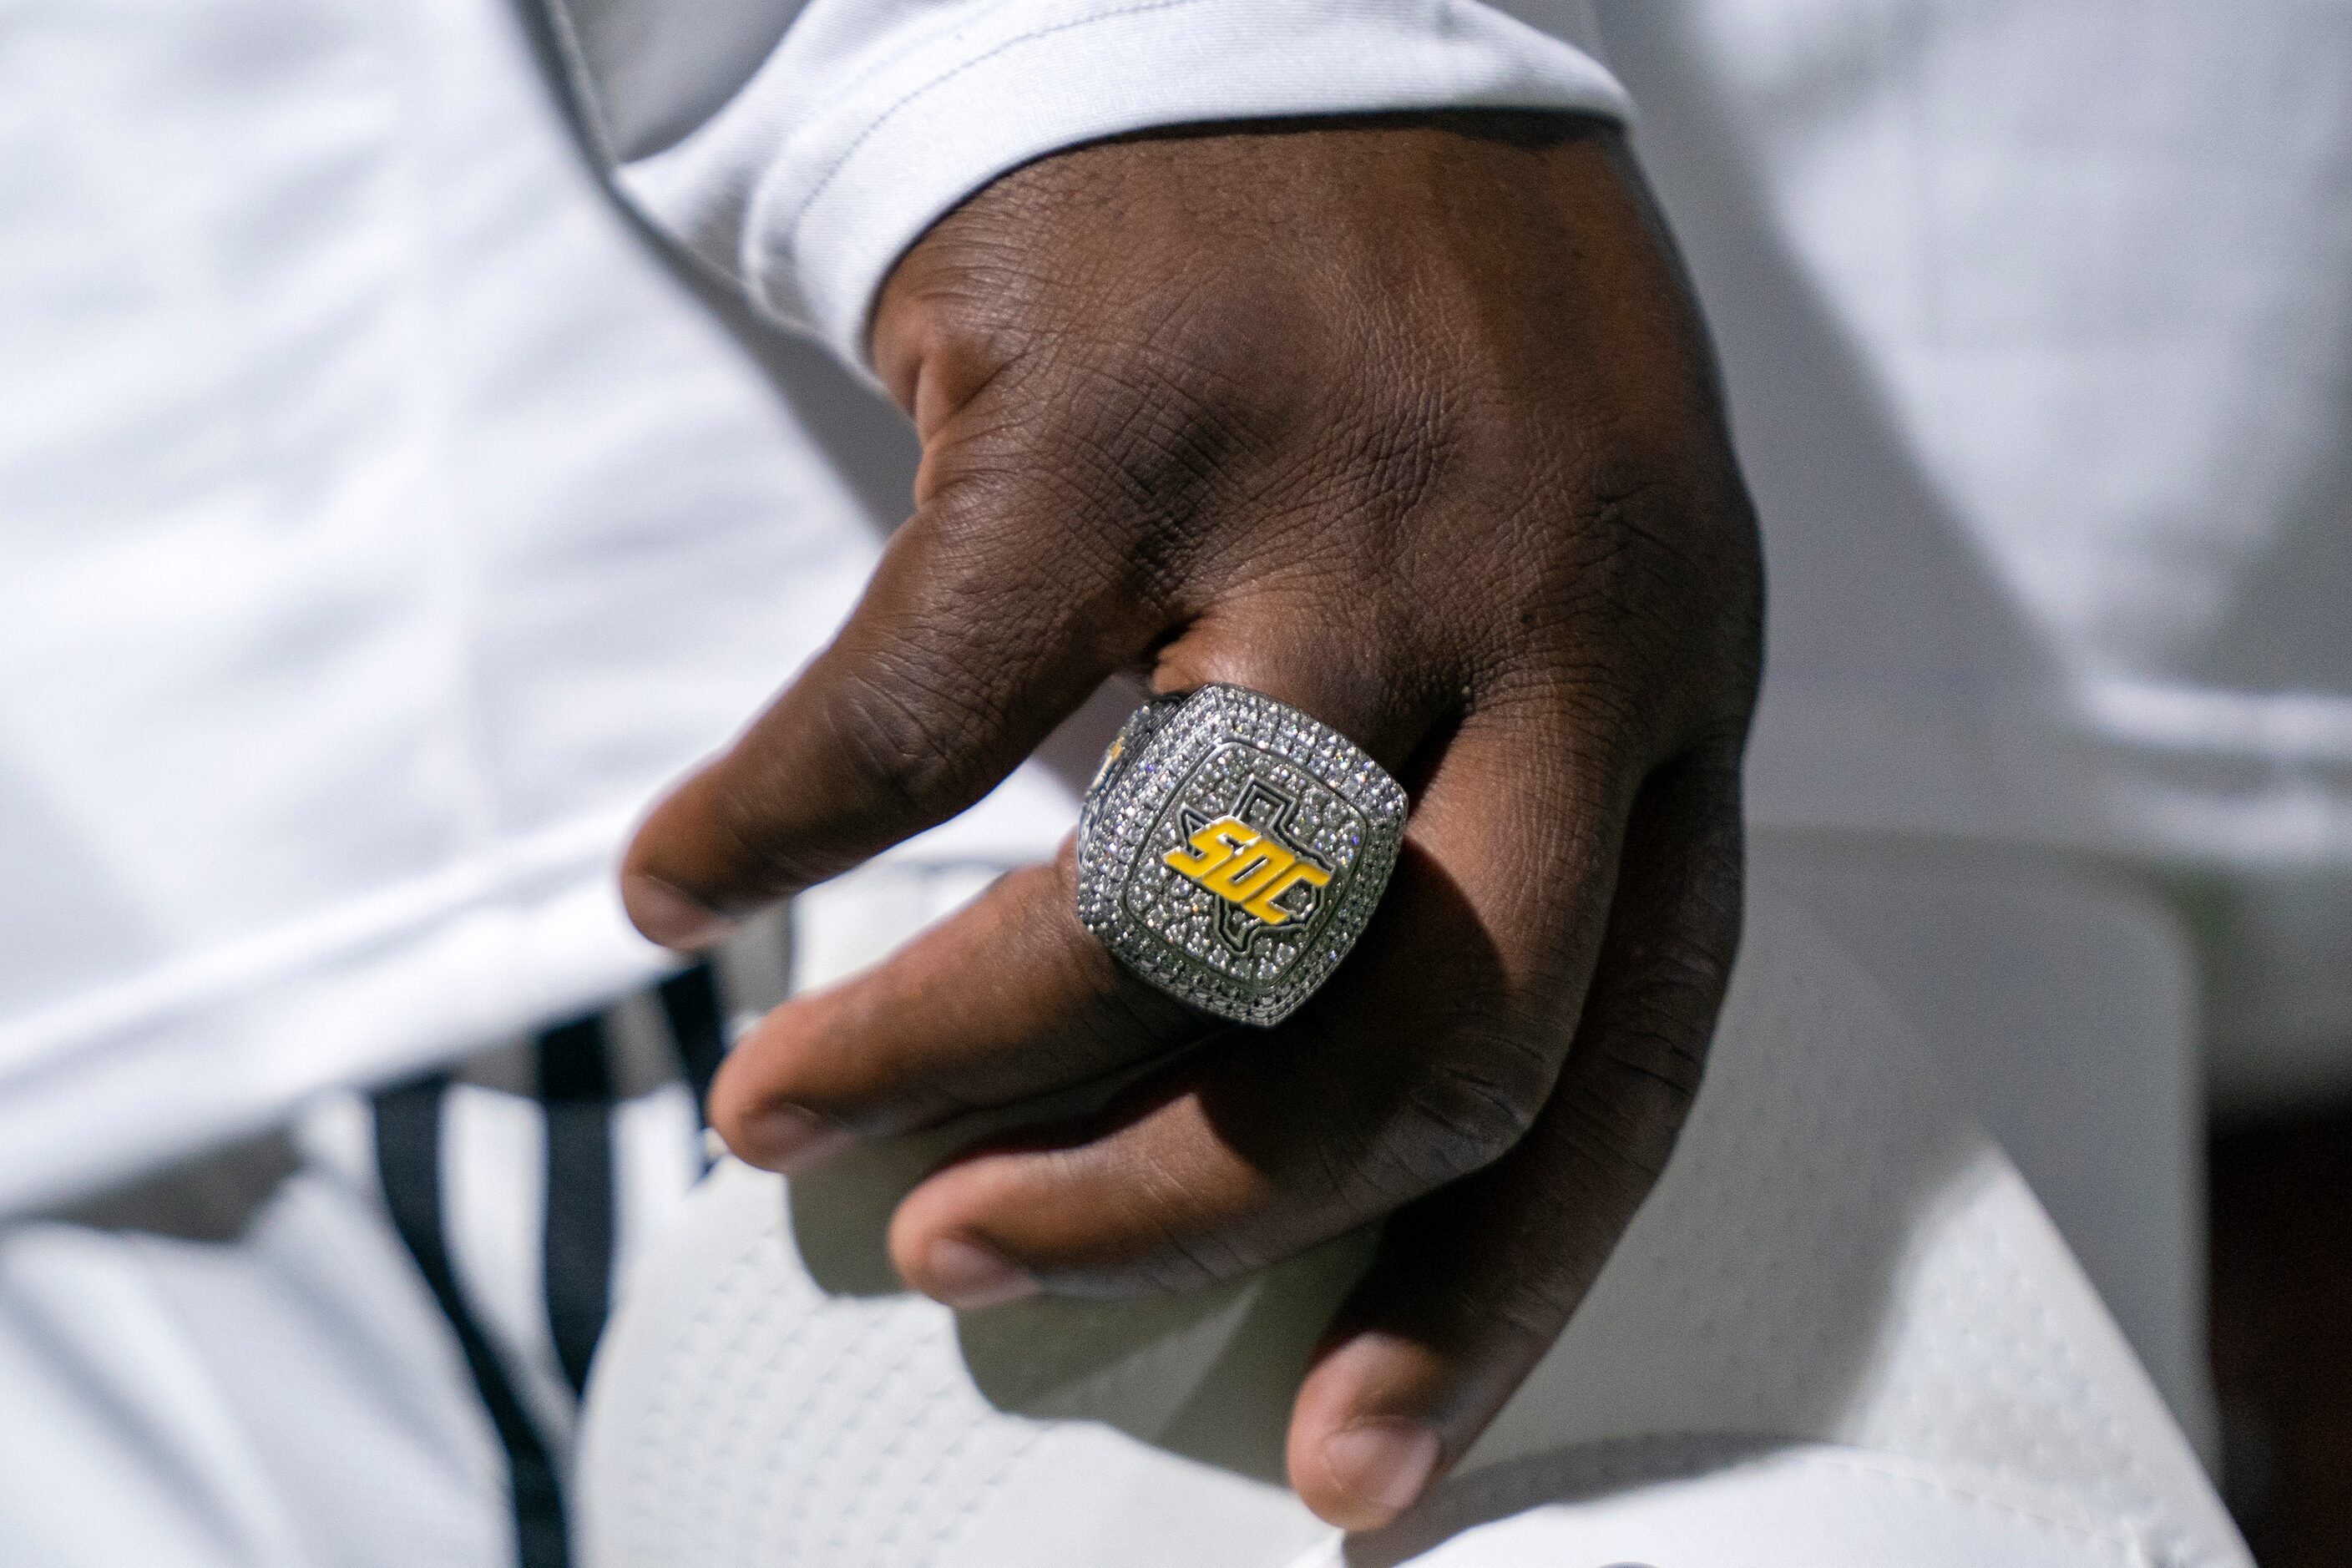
pixel 1231 850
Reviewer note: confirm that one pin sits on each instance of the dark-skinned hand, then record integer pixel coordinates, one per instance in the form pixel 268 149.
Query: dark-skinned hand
pixel 1410 422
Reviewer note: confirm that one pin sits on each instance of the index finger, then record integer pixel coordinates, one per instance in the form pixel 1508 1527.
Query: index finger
pixel 974 638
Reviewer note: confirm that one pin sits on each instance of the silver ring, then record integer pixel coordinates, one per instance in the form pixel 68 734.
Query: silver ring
pixel 1231 850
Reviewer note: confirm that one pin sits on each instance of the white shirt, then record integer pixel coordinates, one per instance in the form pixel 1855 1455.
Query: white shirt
pixel 385 522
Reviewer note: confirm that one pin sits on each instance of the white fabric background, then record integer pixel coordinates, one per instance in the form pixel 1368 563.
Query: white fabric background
pixel 2038 320
pixel 381 525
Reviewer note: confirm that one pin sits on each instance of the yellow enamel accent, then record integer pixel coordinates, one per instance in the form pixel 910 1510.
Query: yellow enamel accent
pixel 1242 866
pixel 1263 905
pixel 1250 867
pixel 1213 846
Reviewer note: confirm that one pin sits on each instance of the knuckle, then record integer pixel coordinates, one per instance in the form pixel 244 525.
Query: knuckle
pixel 1626 1109
pixel 1644 1071
pixel 1173 404
pixel 759 856
pixel 1181 1265
pixel 1619 1145
pixel 1402 450
pixel 960 332
pixel 978 280
pixel 1114 472
pixel 1660 1061
pixel 1151 449
pixel 871 1099
pixel 1528 1301
pixel 911 730
pixel 1465 1114
pixel 1533 1310
pixel 1680 555
pixel 1158 1244
pixel 1644 634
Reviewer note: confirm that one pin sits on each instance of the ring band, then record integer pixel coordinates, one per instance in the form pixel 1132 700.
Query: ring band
pixel 1231 850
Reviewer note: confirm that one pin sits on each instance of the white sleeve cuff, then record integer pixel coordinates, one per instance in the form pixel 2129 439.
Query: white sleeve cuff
pixel 814 168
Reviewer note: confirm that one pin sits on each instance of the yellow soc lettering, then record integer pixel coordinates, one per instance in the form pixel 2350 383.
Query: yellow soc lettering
pixel 1242 865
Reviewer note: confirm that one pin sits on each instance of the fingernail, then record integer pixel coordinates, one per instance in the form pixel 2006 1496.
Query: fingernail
pixel 789 1138
pixel 968 1276
pixel 1382 1464
pixel 668 917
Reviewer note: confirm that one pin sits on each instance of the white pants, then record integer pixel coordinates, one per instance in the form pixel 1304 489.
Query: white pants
pixel 244 1364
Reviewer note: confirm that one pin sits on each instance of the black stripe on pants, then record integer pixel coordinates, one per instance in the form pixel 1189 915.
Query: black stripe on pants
pixel 575 1091
pixel 409 1164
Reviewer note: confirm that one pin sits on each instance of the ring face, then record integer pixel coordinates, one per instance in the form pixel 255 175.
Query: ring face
pixel 1231 850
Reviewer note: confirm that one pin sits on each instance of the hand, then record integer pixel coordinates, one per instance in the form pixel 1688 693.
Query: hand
pixel 1410 422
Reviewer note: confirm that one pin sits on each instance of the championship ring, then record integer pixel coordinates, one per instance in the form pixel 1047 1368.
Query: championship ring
pixel 1231 850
